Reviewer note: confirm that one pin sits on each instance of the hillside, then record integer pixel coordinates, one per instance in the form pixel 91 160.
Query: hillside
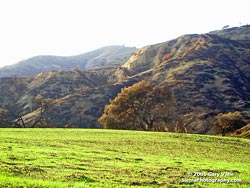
pixel 212 70
pixel 235 33
pixel 208 74
pixel 78 96
pixel 110 56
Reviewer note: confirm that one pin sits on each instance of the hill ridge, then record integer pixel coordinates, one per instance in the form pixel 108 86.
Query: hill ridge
pixel 208 74
pixel 108 56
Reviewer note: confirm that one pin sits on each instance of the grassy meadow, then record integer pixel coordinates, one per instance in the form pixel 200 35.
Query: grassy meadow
pixel 79 158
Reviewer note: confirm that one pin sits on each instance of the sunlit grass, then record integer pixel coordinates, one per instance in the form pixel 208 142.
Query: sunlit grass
pixel 108 158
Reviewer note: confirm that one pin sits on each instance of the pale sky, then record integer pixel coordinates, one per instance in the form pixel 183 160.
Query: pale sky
pixel 70 27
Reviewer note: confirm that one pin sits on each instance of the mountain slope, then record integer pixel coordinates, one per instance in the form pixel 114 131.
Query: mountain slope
pixel 110 56
pixel 207 73
pixel 212 70
pixel 78 96
pixel 235 33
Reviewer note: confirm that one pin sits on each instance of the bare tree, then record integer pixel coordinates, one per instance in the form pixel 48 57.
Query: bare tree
pixel 14 112
pixel 42 104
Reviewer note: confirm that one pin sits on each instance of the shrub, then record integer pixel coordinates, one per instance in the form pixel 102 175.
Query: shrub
pixel 229 122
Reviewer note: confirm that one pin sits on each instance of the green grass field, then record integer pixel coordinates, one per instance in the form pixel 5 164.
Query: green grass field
pixel 39 158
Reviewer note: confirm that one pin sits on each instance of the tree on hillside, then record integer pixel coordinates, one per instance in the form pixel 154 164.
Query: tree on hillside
pixel 15 115
pixel 43 105
pixel 229 122
pixel 142 107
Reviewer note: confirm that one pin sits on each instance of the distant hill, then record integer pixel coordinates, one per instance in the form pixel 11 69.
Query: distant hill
pixel 208 74
pixel 109 56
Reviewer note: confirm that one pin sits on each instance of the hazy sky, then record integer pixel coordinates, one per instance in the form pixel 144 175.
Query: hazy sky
pixel 70 27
